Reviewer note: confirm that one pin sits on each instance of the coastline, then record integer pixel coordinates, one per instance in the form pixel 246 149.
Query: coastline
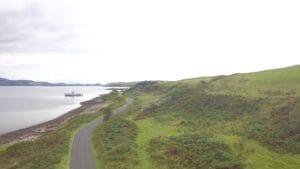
pixel 35 131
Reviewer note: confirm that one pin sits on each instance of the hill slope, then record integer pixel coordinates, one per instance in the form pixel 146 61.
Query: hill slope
pixel 249 120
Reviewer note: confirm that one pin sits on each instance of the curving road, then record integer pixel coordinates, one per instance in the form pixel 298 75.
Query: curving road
pixel 82 154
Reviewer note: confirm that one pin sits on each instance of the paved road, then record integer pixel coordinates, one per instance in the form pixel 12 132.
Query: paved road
pixel 82 155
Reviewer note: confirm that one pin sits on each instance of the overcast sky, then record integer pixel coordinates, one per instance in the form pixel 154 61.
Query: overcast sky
pixel 115 40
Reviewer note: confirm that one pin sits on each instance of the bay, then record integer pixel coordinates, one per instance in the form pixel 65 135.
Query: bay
pixel 25 106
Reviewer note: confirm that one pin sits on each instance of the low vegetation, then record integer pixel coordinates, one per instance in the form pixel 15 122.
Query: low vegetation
pixel 192 151
pixel 148 130
pixel 238 121
pixel 115 141
pixel 49 151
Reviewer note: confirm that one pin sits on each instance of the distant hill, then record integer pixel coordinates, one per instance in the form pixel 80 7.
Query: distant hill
pixel 8 82
pixel 121 84
pixel 281 82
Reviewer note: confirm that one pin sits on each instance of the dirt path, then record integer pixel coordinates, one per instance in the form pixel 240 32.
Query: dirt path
pixel 82 155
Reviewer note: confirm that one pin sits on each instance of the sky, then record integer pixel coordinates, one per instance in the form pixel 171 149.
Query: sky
pixel 97 41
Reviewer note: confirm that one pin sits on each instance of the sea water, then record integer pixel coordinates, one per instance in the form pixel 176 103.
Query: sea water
pixel 24 106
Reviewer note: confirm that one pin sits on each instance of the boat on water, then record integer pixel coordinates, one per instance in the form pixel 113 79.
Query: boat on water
pixel 73 94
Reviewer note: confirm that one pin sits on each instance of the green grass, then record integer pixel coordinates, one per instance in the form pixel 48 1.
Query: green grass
pixel 123 143
pixel 147 98
pixel 149 129
pixel 256 156
pixel 195 81
pixel 49 151
pixel 288 76
pixel 114 144
pixel 3 147
pixel 192 151
pixel 248 120
pixel 275 82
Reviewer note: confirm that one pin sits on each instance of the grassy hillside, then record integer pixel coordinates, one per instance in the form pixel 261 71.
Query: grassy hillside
pixel 277 82
pixel 249 120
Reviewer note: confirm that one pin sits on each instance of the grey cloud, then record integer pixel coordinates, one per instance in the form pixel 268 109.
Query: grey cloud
pixel 31 30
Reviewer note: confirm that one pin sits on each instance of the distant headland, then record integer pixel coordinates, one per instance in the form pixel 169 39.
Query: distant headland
pixel 8 82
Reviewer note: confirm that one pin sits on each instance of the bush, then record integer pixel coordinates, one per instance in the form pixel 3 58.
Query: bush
pixel 114 143
pixel 221 107
pixel 107 114
pixel 147 86
pixel 279 130
pixel 192 151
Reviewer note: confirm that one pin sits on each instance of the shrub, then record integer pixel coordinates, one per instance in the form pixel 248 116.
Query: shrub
pixel 192 151
pixel 107 114
pixel 114 143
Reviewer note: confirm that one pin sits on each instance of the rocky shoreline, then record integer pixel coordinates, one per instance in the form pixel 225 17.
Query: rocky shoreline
pixel 38 130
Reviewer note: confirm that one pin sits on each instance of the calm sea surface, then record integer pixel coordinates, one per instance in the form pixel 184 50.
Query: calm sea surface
pixel 22 106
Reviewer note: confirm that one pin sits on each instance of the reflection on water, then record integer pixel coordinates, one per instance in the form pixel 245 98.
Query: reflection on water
pixel 22 106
